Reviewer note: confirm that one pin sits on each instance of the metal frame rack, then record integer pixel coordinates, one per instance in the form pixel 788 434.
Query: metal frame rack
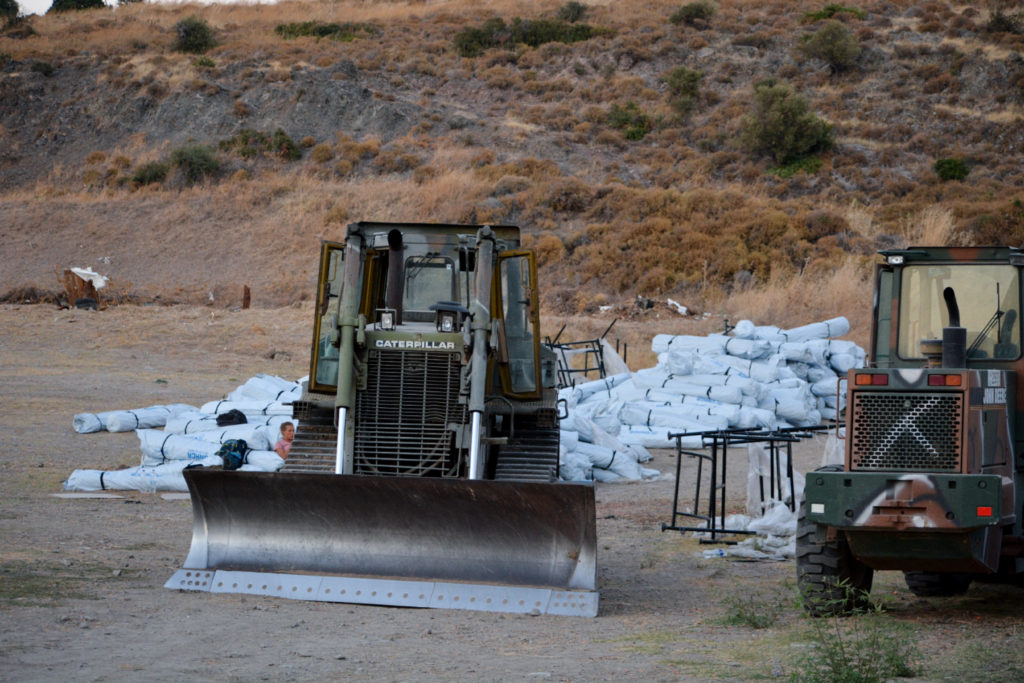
pixel 719 442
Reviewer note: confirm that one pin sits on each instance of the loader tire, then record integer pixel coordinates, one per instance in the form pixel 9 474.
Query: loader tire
pixel 932 584
pixel 830 579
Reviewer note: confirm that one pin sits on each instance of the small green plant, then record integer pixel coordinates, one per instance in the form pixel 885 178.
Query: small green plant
pixel 690 14
pixel 832 43
pixel 153 172
pixel 630 119
pixel 195 162
pixel 808 165
pixel 73 5
pixel 345 32
pixel 194 35
pixel 831 10
pixel 44 68
pixel 204 63
pixel 684 88
pixel 781 125
pixel 951 168
pixel 861 648
pixel 753 611
pixel 572 11
pixel 472 42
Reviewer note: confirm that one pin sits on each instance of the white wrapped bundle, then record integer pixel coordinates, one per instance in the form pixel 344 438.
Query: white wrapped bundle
pixel 584 391
pixel 261 461
pixel 190 423
pixel 748 349
pixel 719 393
pixel 621 463
pixel 574 466
pixel 746 385
pixel 764 370
pixel 678 361
pixel 159 447
pixel 166 477
pixel 679 418
pixel 711 345
pixel 568 439
pixel 744 329
pixel 254 408
pixel 267 388
pixel 127 420
pixel 769 333
pixel 655 437
pixel 751 417
pixel 828 386
pixel 812 352
pixel 835 327
pixel 818 373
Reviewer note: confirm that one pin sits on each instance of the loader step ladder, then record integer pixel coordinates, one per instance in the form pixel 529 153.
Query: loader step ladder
pixel 313 449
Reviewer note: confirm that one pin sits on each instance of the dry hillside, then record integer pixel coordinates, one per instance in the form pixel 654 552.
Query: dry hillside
pixel 636 159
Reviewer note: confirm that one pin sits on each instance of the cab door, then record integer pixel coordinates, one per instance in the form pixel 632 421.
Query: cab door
pixel 518 315
pixel 323 365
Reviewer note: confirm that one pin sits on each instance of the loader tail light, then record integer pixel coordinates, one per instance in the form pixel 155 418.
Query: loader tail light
pixel 984 511
pixel 944 380
pixel 871 379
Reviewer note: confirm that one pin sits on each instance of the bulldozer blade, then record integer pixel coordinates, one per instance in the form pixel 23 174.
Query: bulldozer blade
pixel 479 545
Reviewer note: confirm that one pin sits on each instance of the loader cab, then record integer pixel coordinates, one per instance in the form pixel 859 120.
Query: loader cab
pixel 909 306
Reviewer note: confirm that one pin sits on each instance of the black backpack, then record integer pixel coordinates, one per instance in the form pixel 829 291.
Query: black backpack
pixel 231 417
pixel 233 452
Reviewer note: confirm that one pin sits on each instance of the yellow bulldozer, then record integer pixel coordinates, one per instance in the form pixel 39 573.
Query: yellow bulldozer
pixel 425 467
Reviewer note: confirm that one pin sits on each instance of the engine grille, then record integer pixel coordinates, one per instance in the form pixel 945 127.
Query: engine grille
pixel 908 432
pixel 402 417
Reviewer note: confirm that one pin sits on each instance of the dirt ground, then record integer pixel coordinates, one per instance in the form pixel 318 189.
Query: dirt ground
pixel 81 580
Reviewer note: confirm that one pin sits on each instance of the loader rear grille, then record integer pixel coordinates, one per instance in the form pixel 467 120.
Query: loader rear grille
pixel 403 415
pixel 906 432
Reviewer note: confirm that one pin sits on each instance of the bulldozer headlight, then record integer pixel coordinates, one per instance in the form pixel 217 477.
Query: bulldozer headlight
pixel 386 320
pixel 894 259
pixel 446 321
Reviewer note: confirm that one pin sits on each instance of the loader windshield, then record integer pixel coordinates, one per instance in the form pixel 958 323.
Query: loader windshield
pixel 988 296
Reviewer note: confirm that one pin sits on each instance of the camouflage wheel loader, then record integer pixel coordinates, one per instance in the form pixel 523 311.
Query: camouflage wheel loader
pixel 933 478
pixel 424 470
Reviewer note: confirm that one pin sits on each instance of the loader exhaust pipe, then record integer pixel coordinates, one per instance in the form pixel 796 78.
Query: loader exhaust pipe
pixel 954 337
pixel 480 325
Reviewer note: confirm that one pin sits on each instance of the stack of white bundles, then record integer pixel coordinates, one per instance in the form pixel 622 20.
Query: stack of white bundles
pixel 166 477
pixel 127 420
pixel 759 377
pixel 592 453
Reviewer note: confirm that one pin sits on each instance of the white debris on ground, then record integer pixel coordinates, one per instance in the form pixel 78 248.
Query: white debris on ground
pixel 192 437
pixel 757 377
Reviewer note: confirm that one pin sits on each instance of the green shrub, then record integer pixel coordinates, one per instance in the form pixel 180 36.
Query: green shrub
pixel 572 11
pixel 684 88
pixel 194 35
pixel 690 14
pixel 44 68
pixel 195 162
pixel 781 125
pixel 204 63
pixel 630 119
pixel 9 10
pixel 830 11
pixel 1001 22
pixel 153 172
pixel 951 168
pixel 833 43
pixel 69 5
pixel 249 143
pixel 345 32
pixel 471 42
